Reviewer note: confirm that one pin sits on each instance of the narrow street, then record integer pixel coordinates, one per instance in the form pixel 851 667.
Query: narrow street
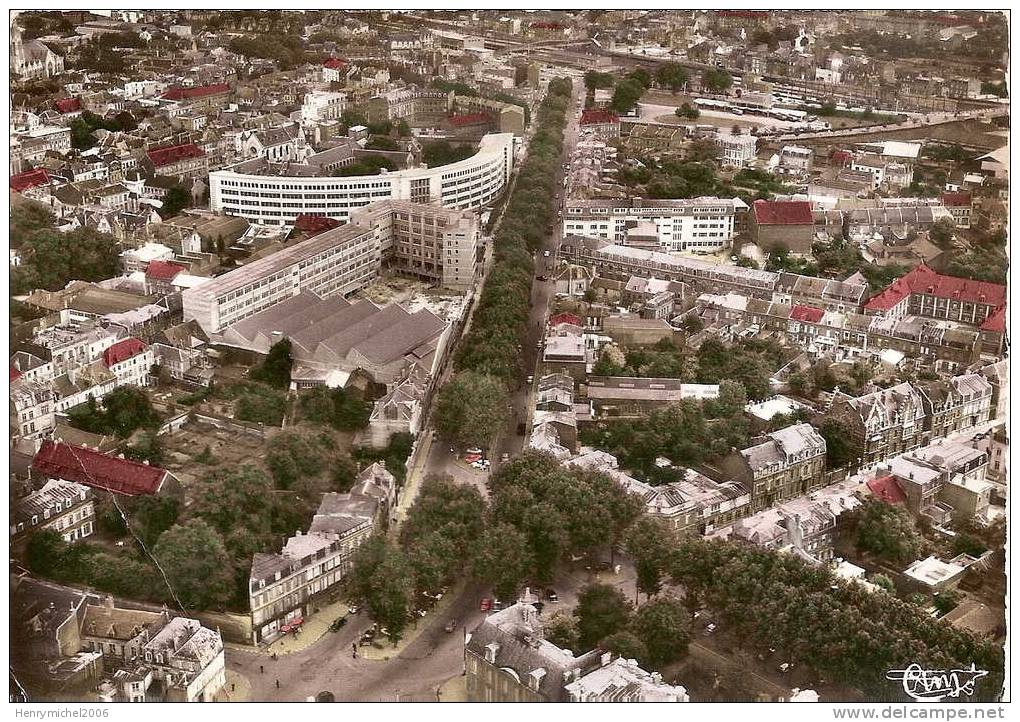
pixel 433 655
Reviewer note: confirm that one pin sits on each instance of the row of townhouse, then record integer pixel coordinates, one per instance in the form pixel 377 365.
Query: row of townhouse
pixel 284 587
pixel 788 464
pixel 621 262
pixel 924 292
pixel 845 335
pixel 62 506
pixel 65 366
pixel 940 481
pixel 907 416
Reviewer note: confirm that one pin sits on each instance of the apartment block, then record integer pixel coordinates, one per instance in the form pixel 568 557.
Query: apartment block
pixel 698 224
pixel 437 244
pixel 61 506
pixel 282 586
pixel 339 261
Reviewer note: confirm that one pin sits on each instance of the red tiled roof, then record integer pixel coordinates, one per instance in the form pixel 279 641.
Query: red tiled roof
pixel 996 320
pixel 68 105
pixel 546 26
pixel 311 225
pixel 15 375
pixel 597 116
pixel 469 119
pixel 335 64
pixel 886 489
pixel 923 279
pixel 101 471
pixel 841 157
pixel 163 270
pixel 783 213
pixel 122 351
pixel 806 313
pixel 29 179
pixel 171 154
pixel 564 318
pixel 192 93
pixel 956 200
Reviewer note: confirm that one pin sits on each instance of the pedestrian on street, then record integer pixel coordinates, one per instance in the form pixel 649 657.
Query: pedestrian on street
pixel 262 670
pixel 278 684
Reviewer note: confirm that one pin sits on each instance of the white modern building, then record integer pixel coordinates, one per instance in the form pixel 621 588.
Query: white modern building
pixel 737 150
pixel 248 190
pixel 697 224
pixel 341 260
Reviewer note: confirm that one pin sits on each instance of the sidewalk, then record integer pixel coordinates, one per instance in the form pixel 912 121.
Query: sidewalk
pixel 316 625
pixel 236 689
pixel 415 475
pixel 439 611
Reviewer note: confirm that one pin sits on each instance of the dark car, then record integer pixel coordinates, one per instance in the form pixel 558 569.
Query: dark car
pixel 551 595
pixel 337 624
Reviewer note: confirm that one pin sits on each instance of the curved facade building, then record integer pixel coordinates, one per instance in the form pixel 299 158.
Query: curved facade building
pixel 280 199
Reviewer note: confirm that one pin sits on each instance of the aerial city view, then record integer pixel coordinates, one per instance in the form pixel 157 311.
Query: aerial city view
pixel 508 356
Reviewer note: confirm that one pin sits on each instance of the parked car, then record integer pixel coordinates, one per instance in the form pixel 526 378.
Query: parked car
pixel 485 605
pixel 551 595
pixel 545 254
pixel 497 605
pixel 353 609
pixel 504 458
pixel 710 628
pixel 450 626
pixel 785 667
pixel 337 624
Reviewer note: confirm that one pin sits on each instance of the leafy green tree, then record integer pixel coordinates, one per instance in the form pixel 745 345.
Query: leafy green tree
pixel 602 610
pixel 51 259
pixel 442 152
pixel 197 565
pixel 627 645
pixel 291 456
pixel 441 532
pixel 887 531
pixel 381 579
pixel 342 409
pixel 125 410
pixel 716 80
pixel 153 515
pixel 370 164
pixel 671 76
pixel 641 76
pixel 175 201
pixel 663 626
pixel 626 95
pixel 841 448
pixel 947 601
pixel 594 80
pixel 504 561
pixel 967 543
pixel 941 232
pixel 276 369
pixel 561 630
pixel 343 473
pixel 44 552
pixel 148 448
pixel 647 542
pixel 883 581
pixel 688 111
pixel 471 409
